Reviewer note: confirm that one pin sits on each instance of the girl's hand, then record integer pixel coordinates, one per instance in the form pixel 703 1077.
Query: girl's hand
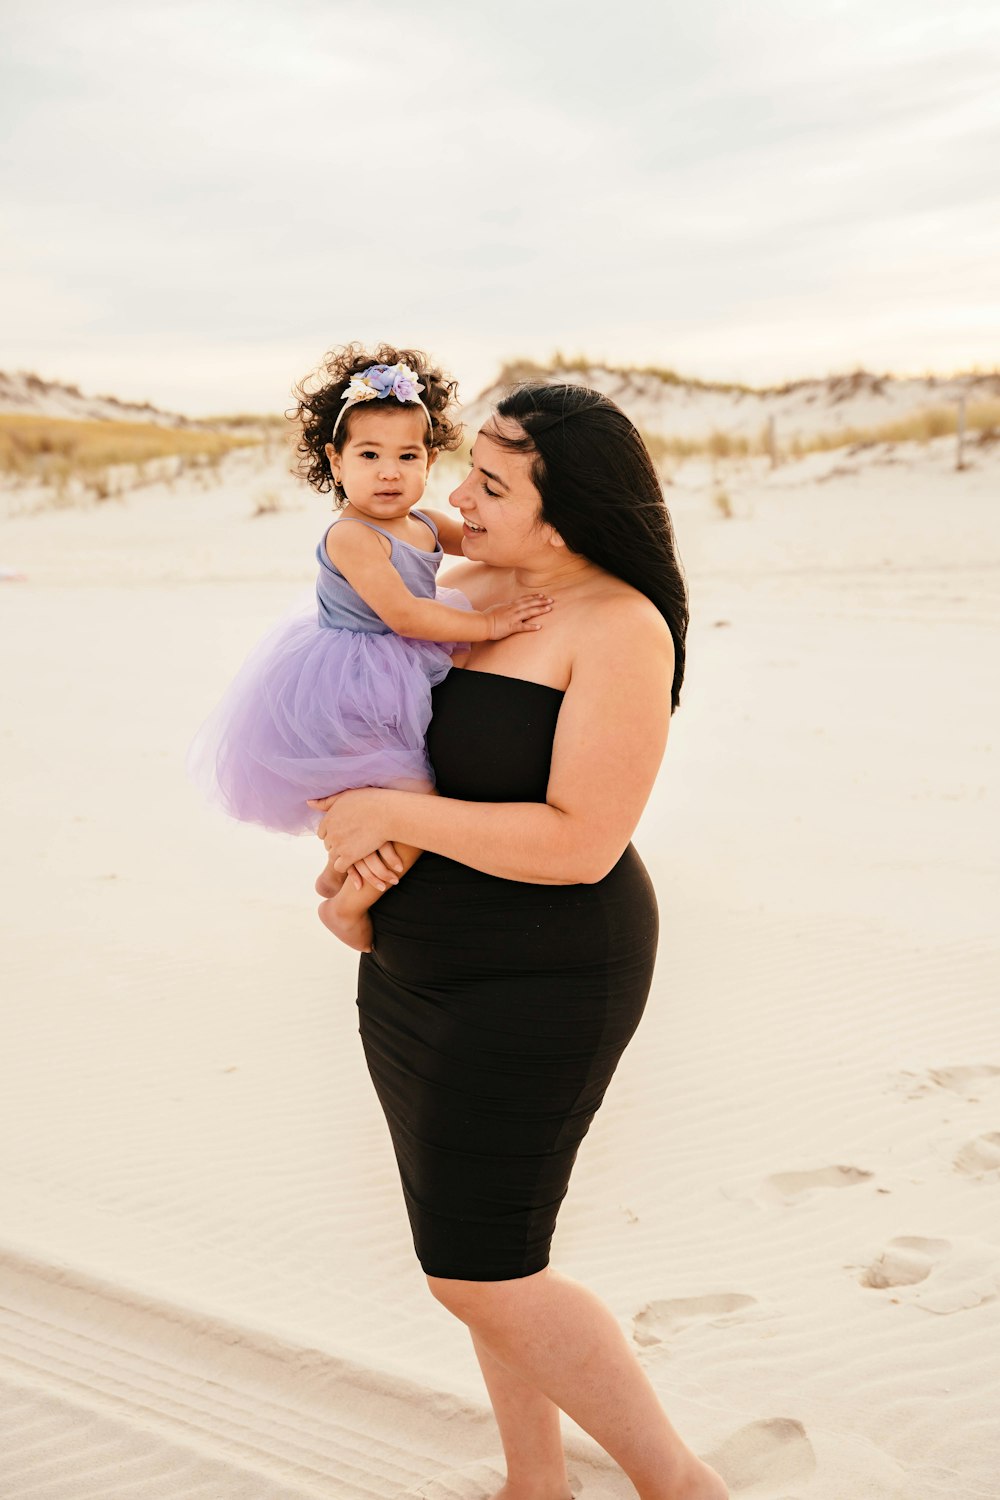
pixel 516 615
pixel 352 827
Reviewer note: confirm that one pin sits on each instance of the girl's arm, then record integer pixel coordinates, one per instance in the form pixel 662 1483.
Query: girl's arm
pixel 449 531
pixel 357 552
pixel 609 742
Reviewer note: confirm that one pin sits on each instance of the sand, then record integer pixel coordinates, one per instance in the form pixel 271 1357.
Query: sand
pixel 791 1198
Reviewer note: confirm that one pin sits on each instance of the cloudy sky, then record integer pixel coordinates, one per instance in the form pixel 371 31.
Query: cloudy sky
pixel 201 196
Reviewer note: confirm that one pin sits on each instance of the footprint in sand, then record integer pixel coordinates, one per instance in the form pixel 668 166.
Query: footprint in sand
pixel 655 1322
pixel 785 1185
pixel 981 1157
pixel 473 1482
pixel 946 1276
pixel 905 1261
pixel 966 1081
pixel 774 1452
pixel 476 1481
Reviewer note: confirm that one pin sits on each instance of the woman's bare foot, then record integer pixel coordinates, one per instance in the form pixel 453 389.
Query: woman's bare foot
pixel 329 881
pixel 704 1484
pixel 508 1492
pixel 352 927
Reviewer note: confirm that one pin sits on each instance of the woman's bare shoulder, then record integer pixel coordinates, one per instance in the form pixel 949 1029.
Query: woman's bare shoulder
pixel 475 579
pixel 618 617
pixel 621 642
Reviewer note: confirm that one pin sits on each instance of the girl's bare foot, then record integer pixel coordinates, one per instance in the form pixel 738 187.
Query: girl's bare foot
pixel 329 881
pixel 352 927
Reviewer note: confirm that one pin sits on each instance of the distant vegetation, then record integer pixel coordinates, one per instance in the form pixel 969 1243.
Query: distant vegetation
pixel 917 427
pixel 921 426
pixel 96 458
pixel 55 450
pixel 840 386
pixel 268 422
pixel 518 370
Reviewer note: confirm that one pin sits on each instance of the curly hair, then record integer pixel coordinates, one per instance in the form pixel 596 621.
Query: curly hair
pixel 319 405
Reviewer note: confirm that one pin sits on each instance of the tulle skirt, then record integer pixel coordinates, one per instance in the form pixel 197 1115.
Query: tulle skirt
pixel 314 711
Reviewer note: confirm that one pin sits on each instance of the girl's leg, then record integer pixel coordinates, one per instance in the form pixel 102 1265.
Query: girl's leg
pixel 346 913
pixel 329 881
pixel 555 1335
pixel 529 1430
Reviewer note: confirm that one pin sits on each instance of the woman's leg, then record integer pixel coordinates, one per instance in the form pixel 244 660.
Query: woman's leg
pixel 529 1430
pixel 555 1335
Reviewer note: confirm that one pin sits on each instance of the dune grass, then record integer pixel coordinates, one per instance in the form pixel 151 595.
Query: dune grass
pixel 273 422
pixel 517 370
pixel 56 450
pixel 715 445
pixel 921 426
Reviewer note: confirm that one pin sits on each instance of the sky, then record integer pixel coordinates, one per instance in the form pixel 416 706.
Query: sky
pixel 200 197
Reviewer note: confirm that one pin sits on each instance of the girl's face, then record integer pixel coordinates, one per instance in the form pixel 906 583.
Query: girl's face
pixel 383 465
pixel 500 505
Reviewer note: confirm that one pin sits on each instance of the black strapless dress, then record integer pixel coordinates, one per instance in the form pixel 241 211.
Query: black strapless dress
pixel 493 1012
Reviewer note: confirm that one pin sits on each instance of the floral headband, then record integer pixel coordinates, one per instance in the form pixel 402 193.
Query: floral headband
pixel 379 381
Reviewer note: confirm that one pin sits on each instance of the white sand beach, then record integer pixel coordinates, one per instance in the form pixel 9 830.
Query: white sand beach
pixel 791 1198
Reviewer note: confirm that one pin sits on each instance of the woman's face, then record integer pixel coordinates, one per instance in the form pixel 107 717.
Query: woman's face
pixel 500 504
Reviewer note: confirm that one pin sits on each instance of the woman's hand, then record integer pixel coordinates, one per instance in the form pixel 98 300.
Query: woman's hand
pixel 354 832
pixel 380 869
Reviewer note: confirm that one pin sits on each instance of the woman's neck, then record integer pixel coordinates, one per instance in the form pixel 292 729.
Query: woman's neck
pixel 558 573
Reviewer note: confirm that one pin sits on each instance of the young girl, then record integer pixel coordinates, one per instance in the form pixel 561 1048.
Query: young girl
pixel 343 698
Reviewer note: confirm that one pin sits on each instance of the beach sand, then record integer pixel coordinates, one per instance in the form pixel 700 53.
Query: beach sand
pixel 791 1198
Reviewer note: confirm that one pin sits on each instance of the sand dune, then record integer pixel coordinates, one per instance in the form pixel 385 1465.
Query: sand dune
pixel 28 394
pixel 790 1199
pixel 670 407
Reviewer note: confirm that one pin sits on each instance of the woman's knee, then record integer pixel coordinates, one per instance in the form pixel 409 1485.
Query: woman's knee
pixel 465 1299
pixel 480 1303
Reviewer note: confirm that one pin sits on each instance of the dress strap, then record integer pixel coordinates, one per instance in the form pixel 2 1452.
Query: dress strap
pixel 418 514
pixel 426 520
pixel 370 524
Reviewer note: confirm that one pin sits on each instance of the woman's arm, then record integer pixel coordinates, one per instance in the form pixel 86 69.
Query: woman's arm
pixel 357 552
pixel 609 742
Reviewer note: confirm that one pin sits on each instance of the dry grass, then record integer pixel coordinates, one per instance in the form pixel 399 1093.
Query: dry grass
pixel 515 371
pixel 249 421
pixel 268 503
pixel 921 426
pixel 918 427
pixel 99 455
pixel 716 445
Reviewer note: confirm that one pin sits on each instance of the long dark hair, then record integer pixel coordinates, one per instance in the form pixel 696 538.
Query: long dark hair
pixel 600 493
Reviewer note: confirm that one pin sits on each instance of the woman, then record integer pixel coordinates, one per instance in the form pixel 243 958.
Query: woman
pixel 512 964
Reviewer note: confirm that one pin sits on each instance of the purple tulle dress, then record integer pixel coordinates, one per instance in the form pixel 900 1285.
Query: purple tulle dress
pixel 328 700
